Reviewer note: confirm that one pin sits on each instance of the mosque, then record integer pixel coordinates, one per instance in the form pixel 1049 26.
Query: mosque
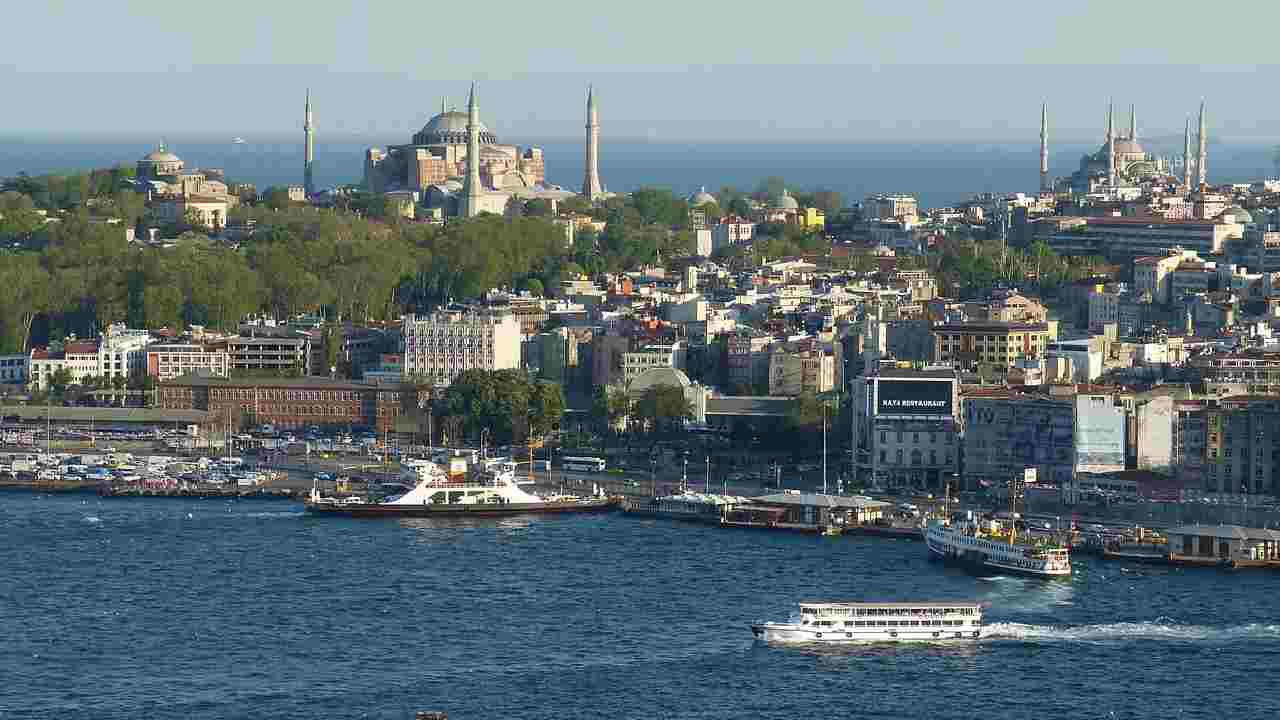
pixel 457 164
pixel 177 193
pixel 1133 165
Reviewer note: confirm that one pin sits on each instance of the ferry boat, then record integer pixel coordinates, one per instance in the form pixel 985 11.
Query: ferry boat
pixel 707 508
pixel 990 547
pixel 835 622
pixel 494 490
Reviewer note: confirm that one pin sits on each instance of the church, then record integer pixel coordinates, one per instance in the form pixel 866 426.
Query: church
pixel 437 167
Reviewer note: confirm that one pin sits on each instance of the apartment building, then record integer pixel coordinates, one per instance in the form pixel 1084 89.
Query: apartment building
pixel 996 343
pixel 167 361
pixel 440 346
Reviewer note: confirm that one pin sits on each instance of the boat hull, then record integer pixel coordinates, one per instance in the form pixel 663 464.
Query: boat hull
pixel 375 510
pixel 781 633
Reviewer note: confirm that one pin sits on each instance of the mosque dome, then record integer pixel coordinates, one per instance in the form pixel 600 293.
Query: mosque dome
pixel 702 197
pixel 450 128
pixel 1236 214
pixel 160 155
pixel 786 202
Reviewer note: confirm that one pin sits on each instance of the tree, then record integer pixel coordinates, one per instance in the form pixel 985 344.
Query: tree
pixel 534 286
pixel 610 406
pixel 491 399
pixel 663 408
pixel 546 407
pixel 59 380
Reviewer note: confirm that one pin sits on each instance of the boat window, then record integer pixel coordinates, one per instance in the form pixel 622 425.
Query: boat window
pixel 893 623
pixel 881 623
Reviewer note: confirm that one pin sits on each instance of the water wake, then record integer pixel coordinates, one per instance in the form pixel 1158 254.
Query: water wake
pixel 1160 629
pixel 278 514
pixel 92 519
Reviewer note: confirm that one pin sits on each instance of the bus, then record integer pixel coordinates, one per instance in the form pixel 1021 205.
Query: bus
pixel 584 464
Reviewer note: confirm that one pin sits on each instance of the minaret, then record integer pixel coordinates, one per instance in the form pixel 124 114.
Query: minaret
pixel 1203 154
pixel 309 152
pixel 591 188
pixel 472 186
pixel 1133 122
pixel 1186 156
pixel 1111 147
pixel 1044 147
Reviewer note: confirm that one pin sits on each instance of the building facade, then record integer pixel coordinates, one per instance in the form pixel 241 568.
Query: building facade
pixel 1005 433
pixel 294 403
pixel 999 344
pixel 172 360
pixel 907 428
pixel 440 346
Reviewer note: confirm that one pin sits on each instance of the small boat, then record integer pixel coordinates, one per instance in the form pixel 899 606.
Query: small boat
pixel 237 141
pixel 837 622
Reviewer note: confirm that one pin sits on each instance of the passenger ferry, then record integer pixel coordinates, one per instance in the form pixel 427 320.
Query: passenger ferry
pixel 991 547
pixel 828 622
pixel 493 490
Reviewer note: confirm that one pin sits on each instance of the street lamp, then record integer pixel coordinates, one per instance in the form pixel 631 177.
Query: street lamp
pixel 483 431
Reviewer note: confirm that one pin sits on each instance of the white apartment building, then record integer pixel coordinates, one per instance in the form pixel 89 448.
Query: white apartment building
pixel 636 362
pixel 122 352
pixel 171 360
pixel 732 231
pixel 439 346
pixel 889 207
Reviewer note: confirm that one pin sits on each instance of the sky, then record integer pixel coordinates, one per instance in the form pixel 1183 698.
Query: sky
pixel 904 71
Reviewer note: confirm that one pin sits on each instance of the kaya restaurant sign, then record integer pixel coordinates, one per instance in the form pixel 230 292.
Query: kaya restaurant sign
pixel 913 397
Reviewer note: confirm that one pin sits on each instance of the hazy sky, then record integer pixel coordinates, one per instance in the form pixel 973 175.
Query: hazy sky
pixel 776 71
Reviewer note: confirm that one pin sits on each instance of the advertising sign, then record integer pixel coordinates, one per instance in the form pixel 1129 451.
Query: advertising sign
pixel 1029 476
pixel 913 397
pixel 1099 434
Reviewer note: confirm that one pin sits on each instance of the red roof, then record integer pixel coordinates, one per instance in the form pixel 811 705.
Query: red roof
pixel 81 348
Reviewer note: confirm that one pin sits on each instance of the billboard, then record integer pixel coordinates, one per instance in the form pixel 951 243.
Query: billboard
pixel 913 397
pixel 1099 434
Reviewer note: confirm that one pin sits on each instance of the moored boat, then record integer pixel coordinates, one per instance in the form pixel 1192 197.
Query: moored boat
pixel 837 622
pixel 493 490
pixel 991 547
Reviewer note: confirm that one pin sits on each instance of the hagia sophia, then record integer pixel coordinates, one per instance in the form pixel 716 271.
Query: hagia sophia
pixel 435 165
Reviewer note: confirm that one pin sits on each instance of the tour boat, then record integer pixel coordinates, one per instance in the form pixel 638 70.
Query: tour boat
pixel 493 490
pixel 833 622
pixel 992 548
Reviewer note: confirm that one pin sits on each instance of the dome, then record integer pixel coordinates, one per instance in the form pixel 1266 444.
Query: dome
pixel 702 197
pixel 786 202
pixel 1236 214
pixel 656 376
pixel 450 128
pixel 161 155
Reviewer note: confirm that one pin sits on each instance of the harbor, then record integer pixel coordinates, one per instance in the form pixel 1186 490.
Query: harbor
pixel 602 601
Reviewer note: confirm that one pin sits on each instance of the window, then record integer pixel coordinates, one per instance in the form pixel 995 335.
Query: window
pixel 933 438
pixel 915 438
pixel 884 436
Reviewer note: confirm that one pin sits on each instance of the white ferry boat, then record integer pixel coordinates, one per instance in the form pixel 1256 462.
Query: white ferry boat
pixel 494 490
pixel 827 622
pixel 990 547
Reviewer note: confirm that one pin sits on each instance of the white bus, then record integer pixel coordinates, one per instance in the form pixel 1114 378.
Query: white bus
pixel 584 464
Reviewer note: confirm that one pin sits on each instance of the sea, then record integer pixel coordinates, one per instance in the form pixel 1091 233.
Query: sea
pixel 170 608
pixel 937 173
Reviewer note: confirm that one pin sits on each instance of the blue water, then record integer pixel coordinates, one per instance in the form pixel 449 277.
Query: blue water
pixel 938 173
pixel 215 609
